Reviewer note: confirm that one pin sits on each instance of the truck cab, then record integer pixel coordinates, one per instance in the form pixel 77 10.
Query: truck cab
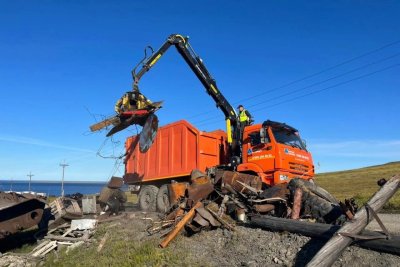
pixel 275 152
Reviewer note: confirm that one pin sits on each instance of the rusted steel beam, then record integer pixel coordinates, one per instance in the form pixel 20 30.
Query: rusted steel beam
pixel 179 226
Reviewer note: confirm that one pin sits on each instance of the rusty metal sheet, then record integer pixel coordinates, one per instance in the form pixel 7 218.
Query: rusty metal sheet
pixel 208 216
pixel 18 213
pixel 115 182
pixel 105 194
pixel 176 191
pixel 201 221
pixel 148 134
pixel 198 192
pixel 232 178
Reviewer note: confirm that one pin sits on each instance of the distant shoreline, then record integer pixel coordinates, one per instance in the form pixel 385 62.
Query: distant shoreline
pixel 54 182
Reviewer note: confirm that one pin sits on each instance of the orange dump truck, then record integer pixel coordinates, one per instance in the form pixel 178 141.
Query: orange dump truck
pixel 272 151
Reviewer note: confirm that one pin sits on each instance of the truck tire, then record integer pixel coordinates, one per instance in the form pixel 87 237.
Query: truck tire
pixel 148 197
pixel 163 204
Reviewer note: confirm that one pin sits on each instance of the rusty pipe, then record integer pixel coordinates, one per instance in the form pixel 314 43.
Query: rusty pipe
pixel 298 193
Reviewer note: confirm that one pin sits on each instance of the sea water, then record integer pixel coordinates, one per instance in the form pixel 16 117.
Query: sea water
pixel 51 188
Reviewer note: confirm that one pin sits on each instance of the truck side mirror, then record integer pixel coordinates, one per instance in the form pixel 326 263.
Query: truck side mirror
pixel 304 143
pixel 263 135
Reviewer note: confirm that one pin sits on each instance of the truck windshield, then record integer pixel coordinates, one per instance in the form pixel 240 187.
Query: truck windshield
pixel 286 137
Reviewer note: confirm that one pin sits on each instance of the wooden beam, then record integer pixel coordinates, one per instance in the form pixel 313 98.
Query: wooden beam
pixel 338 243
pixel 104 123
pixel 324 232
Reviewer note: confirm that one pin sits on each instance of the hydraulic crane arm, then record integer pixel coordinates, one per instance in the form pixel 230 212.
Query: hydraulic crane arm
pixel 196 64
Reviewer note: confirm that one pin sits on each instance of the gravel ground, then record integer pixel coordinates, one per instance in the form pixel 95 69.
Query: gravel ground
pixel 255 247
pixel 243 247
pixel 391 222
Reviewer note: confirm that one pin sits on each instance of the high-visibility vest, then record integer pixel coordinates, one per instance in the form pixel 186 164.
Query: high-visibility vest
pixel 243 116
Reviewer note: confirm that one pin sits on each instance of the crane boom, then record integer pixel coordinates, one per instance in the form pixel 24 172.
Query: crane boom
pixel 197 66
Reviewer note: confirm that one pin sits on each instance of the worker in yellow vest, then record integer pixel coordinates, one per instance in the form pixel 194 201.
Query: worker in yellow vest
pixel 244 119
pixel 244 116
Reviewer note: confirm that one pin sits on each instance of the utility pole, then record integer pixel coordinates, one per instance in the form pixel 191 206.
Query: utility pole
pixel 63 165
pixel 30 180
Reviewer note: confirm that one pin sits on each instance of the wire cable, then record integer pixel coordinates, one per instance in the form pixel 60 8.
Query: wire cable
pixel 311 75
pixel 318 91
pixel 317 83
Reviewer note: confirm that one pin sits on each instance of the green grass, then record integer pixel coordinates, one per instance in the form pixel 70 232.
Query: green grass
pixel 133 198
pixel 360 183
pixel 120 249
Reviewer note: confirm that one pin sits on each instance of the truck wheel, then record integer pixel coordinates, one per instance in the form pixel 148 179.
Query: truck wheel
pixel 148 198
pixel 163 204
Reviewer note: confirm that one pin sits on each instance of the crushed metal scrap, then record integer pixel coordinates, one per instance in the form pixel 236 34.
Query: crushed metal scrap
pixel 62 222
pixel 230 198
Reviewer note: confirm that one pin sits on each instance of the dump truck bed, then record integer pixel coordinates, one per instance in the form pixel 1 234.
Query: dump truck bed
pixel 178 149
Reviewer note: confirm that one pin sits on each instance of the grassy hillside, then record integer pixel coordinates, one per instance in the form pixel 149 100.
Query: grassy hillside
pixel 360 183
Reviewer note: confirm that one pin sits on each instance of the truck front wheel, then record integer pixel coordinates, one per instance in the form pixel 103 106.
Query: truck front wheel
pixel 163 203
pixel 148 197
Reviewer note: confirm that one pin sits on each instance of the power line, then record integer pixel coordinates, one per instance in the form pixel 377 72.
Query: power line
pixel 327 80
pixel 320 90
pixel 325 70
pixel 320 82
pixel 311 75
pixel 335 85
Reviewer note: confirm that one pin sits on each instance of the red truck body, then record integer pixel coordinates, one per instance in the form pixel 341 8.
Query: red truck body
pixel 178 149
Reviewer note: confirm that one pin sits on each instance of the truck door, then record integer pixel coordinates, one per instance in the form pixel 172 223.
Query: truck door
pixel 259 150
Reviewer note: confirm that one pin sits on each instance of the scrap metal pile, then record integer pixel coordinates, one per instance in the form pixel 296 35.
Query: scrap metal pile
pixel 228 197
pixel 65 222
pixel 19 212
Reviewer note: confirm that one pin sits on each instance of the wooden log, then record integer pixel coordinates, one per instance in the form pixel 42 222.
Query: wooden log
pixel 179 226
pixel 324 232
pixel 102 242
pixel 338 243
pixel 104 123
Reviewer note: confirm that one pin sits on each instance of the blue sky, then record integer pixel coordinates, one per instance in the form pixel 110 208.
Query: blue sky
pixel 63 63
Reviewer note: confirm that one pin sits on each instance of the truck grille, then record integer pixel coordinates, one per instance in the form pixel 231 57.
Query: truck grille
pixel 298 167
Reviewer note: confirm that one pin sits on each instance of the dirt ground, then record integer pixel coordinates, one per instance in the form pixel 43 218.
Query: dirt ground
pixel 391 222
pixel 256 247
pixel 243 247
